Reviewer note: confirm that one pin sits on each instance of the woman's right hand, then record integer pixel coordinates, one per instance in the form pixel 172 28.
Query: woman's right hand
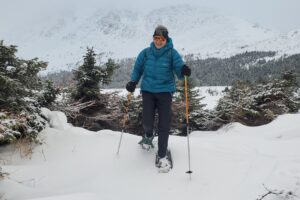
pixel 130 86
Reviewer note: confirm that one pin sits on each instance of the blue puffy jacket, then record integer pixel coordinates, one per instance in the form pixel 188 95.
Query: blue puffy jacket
pixel 158 66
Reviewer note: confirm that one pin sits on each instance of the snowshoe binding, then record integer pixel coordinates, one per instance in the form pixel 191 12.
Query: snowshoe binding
pixel 147 142
pixel 164 164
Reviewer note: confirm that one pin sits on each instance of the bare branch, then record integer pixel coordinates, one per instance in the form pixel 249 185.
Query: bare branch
pixel 286 195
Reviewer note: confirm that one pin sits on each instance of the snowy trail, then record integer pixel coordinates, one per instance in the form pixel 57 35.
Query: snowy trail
pixel 232 163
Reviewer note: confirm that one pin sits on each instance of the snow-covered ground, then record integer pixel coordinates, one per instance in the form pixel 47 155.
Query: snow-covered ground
pixel 212 95
pixel 232 163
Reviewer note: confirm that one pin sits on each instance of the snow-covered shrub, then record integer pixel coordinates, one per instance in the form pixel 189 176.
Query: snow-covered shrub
pixel 48 95
pixel 19 86
pixel 259 104
pixel 21 125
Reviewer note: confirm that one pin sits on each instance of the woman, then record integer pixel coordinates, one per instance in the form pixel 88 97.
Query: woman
pixel 157 65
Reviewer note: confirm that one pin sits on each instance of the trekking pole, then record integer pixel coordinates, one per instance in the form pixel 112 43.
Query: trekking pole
pixel 125 119
pixel 187 125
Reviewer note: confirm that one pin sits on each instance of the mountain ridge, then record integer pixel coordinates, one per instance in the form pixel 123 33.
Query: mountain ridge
pixel 122 33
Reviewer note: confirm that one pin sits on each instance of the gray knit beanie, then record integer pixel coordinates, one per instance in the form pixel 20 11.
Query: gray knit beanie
pixel 161 30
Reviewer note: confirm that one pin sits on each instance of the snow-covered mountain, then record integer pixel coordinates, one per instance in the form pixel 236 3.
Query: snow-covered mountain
pixel 62 38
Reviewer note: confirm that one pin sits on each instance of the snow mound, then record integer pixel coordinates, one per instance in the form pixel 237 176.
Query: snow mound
pixel 57 119
pixel 284 127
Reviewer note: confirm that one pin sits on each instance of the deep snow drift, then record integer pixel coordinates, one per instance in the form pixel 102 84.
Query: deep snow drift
pixel 232 163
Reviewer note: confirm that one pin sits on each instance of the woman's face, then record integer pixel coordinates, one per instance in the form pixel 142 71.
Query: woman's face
pixel 159 41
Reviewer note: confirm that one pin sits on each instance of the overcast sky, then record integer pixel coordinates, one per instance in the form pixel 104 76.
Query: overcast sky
pixel 278 15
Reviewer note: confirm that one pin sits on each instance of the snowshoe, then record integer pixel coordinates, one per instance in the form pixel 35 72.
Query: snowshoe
pixel 164 164
pixel 147 142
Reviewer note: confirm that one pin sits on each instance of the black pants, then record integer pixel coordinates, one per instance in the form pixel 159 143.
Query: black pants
pixel 162 102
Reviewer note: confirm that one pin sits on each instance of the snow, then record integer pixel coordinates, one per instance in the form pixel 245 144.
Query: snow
pixel 9 122
pixel 81 196
pixel 121 92
pixel 212 95
pixel 231 163
pixel 11 68
pixel 57 120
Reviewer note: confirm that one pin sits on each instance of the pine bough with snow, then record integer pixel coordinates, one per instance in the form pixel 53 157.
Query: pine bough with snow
pixel 22 93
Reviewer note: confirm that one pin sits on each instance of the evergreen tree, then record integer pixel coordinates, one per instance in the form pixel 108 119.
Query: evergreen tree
pixel 49 94
pixel 18 78
pixel 236 102
pixel 111 66
pixel 90 76
pixel 19 88
pixel 11 90
pixel 259 104
pixel 193 95
pixel 289 84
pixel 195 107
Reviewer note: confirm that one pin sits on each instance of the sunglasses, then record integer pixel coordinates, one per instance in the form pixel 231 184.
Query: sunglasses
pixel 159 38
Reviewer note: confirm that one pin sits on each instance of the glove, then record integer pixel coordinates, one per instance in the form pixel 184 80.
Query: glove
pixel 186 71
pixel 130 86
